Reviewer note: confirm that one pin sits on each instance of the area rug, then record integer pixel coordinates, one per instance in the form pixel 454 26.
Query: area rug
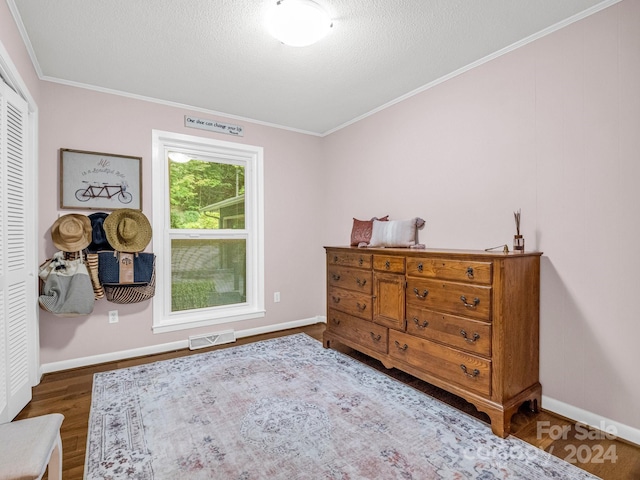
pixel 289 409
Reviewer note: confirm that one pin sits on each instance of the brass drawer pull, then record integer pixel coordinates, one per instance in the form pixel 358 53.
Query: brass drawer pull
pixel 387 264
pixel 361 261
pixel 335 299
pixel 335 320
pixel 470 272
pixel 425 324
pixel 473 374
pixel 335 276
pixel 473 339
pixel 420 267
pixel 424 293
pixel 361 283
pixel 401 347
pixel 335 259
pixel 475 303
pixel 361 306
pixel 374 337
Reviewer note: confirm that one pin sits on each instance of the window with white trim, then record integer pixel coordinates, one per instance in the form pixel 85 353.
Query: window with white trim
pixel 207 231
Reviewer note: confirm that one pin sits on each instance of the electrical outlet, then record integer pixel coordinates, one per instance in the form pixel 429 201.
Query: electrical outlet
pixel 276 297
pixel 113 316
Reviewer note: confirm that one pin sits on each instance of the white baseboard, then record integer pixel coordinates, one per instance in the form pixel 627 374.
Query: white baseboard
pixel 617 429
pixel 167 347
pixel 281 326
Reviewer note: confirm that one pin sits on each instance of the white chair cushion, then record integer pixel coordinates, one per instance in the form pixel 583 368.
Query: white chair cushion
pixel 26 445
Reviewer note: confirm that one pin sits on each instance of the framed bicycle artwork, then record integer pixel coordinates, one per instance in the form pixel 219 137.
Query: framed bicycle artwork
pixel 99 181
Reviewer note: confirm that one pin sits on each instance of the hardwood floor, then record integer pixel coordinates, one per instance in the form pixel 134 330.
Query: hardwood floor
pixel 69 392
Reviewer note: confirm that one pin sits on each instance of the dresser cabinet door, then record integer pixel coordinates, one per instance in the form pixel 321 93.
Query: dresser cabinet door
pixel 388 300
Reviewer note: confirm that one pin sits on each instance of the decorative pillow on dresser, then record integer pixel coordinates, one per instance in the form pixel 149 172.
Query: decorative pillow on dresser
pixel 396 233
pixel 361 231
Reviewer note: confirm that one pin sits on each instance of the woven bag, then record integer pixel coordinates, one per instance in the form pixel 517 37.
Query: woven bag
pixel 132 293
pixel 91 261
pixel 92 266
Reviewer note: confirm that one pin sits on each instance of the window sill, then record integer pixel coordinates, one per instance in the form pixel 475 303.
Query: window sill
pixel 182 323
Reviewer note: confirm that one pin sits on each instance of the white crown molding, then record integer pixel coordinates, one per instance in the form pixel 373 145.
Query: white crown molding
pixel 175 105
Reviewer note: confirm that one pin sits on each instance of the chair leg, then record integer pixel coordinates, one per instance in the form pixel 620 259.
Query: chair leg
pixel 55 462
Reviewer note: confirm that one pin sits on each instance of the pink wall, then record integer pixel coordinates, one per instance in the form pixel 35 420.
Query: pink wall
pixel 87 120
pixel 551 128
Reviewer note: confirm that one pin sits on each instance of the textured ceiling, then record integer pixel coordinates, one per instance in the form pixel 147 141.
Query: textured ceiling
pixel 216 55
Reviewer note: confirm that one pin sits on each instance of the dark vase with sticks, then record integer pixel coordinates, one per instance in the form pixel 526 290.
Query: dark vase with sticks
pixel 518 240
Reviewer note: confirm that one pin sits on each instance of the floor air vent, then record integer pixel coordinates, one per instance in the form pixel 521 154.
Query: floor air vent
pixel 211 339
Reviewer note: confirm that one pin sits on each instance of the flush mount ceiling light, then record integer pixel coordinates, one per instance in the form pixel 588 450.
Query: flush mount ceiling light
pixel 298 23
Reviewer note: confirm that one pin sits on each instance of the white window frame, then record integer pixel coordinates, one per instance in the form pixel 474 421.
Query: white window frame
pixel 251 157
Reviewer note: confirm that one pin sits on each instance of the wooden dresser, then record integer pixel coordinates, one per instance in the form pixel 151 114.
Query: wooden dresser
pixel 465 321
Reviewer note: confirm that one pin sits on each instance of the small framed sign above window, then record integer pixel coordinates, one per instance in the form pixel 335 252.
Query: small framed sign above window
pixel 99 181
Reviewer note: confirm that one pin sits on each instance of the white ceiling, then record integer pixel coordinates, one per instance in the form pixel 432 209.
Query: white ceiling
pixel 216 55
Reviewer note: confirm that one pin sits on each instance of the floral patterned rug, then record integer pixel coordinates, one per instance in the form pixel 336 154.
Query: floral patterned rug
pixel 289 409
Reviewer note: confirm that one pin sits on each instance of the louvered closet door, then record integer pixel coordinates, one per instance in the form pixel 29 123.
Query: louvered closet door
pixel 17 295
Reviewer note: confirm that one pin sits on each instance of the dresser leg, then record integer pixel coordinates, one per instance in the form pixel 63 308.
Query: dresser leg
pixel 501 423
pixel 501 419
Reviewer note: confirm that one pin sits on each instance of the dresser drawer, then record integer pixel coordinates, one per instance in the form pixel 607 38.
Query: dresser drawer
pixel 388 263
pixel 470 335
pixel 357 330
pixel 452 365
pixel 450 297
pixel 354 303
pixel 350 278
pixel 455 270
pixel 349 259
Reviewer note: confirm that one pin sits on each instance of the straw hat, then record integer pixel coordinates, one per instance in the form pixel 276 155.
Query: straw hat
pixel 98 236
pixel 71 232
pixel 127 230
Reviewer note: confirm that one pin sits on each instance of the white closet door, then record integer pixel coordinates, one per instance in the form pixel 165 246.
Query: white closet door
pixel 17 284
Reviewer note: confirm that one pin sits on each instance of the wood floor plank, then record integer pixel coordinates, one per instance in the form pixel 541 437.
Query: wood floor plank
pixel 69 392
